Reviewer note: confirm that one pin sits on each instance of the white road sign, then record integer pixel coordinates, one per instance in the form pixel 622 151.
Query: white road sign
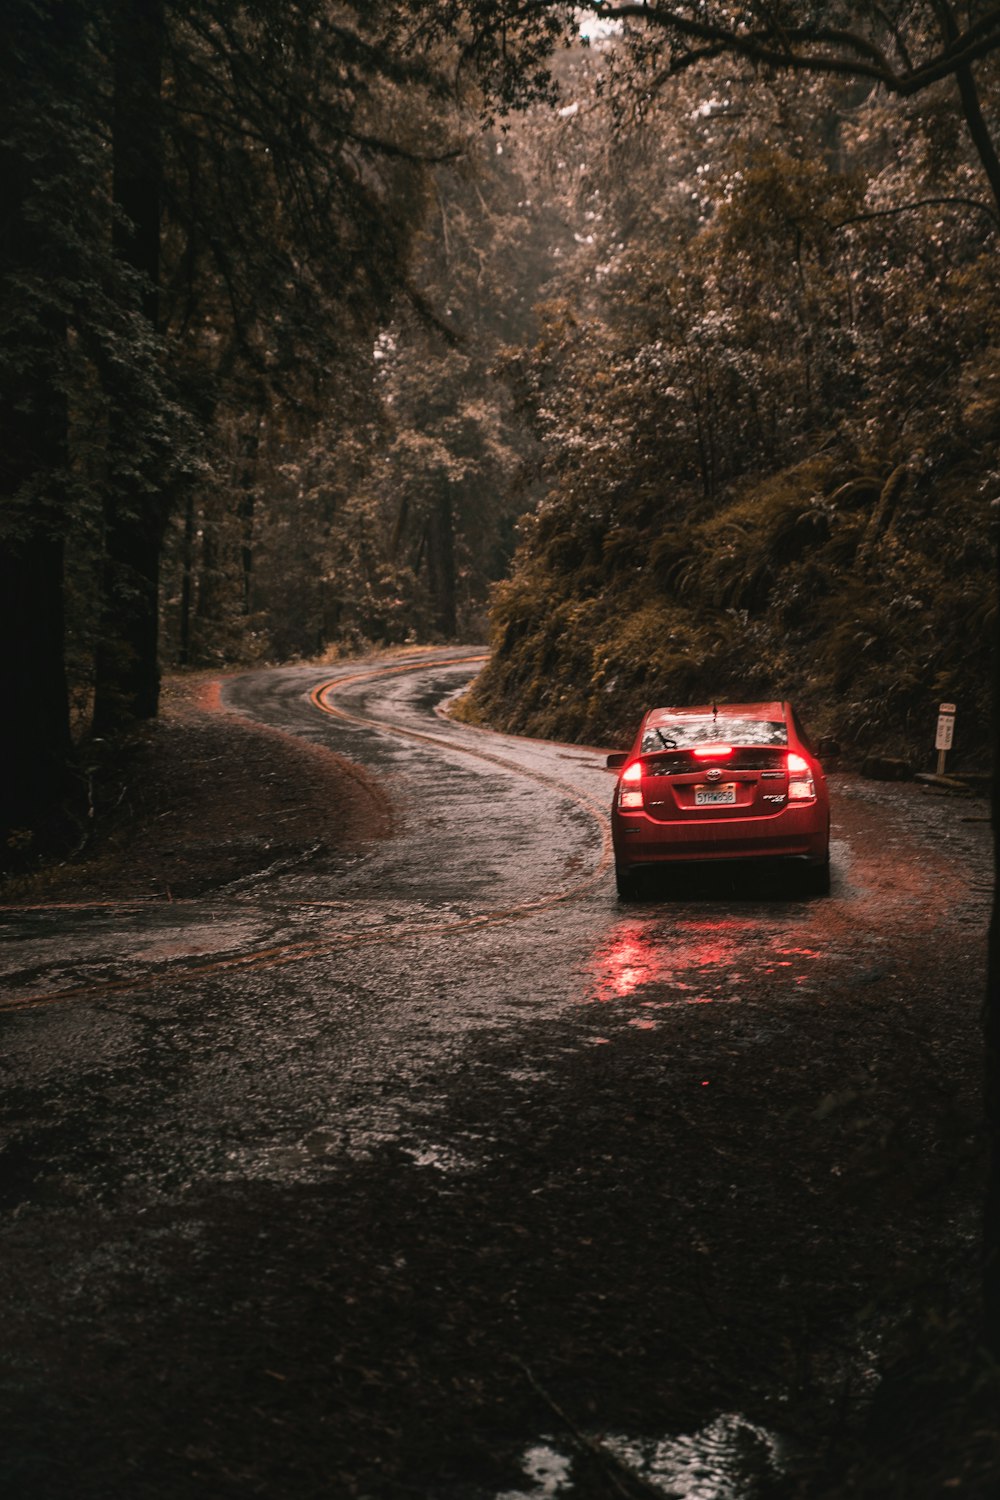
pixel 945 727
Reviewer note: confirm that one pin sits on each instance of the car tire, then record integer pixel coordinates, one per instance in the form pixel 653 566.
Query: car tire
pixel 627 883
pixel 817 879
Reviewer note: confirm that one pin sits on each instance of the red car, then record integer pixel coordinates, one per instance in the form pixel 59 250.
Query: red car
pixel 720 781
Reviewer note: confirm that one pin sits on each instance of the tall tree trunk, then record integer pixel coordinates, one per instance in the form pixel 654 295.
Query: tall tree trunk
pixel 991 1017
pixel 249 451
pixel 441 563
pixel 207 612
pixel 187 570
pixel 33 421
pixel 127 674
pixel 127 669
pixel 979 129
pixel 32 679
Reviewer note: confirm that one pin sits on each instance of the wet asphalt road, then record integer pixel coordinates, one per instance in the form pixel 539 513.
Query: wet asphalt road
pixel 434 1171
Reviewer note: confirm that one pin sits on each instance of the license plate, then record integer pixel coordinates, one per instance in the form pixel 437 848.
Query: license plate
pixel 715 796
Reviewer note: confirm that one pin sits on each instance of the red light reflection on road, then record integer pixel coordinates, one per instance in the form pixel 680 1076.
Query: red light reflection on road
pixel 689 966
pixel 649 966
pixel 627 963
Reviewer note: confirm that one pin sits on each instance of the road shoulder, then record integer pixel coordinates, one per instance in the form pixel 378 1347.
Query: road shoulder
pixel 204 797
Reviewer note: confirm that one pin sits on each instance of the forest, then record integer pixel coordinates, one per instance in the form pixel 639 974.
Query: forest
pixel 766 402
pixel 667 355
pixel 661 348
pixel 656 345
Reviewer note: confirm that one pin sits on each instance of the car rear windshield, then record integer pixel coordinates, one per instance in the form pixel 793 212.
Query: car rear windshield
pixel 684 733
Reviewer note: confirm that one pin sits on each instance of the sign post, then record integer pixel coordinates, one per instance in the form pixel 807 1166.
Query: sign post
pixel 945 733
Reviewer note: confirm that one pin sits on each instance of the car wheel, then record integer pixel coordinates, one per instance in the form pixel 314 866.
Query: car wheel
pixel 817 879
pixel 627 883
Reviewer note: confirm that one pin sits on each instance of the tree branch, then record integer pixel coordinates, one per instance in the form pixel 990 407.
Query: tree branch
pixel 850 54
pixel 905 208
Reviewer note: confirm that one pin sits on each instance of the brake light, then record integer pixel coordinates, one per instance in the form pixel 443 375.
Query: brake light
pixel 630 788
pixel 712 752
pixel 801 787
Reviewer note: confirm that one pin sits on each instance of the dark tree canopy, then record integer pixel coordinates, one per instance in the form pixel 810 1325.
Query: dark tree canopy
pixel 902 48
pixel 205 200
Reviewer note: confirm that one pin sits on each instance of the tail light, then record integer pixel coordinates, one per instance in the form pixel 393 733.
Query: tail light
pixel 712 752
pixel 801 787
pixel 630 786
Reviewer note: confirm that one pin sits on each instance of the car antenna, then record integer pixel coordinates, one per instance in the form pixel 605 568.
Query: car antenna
pixel 715 709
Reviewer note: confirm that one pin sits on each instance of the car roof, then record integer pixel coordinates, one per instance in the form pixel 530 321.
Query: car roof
pixel 764 711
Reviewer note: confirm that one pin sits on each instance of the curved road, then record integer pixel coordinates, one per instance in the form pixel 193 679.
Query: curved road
pixel 442 1174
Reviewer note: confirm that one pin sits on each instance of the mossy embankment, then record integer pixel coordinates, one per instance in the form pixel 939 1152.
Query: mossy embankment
pixel 860 585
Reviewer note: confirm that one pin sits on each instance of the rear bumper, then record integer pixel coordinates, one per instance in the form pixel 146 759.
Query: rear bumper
pixel 795 833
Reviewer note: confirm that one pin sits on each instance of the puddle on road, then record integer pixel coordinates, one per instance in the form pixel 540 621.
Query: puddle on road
pixel 730 1459
pixel 638 957
pixel 695 963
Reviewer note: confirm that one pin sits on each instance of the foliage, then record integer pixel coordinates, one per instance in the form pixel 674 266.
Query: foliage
pixel 368 491
pixel 751 489
pixel 213 210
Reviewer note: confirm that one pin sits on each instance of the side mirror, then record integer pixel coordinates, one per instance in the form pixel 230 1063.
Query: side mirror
pixel 616 760
pixel 828 747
